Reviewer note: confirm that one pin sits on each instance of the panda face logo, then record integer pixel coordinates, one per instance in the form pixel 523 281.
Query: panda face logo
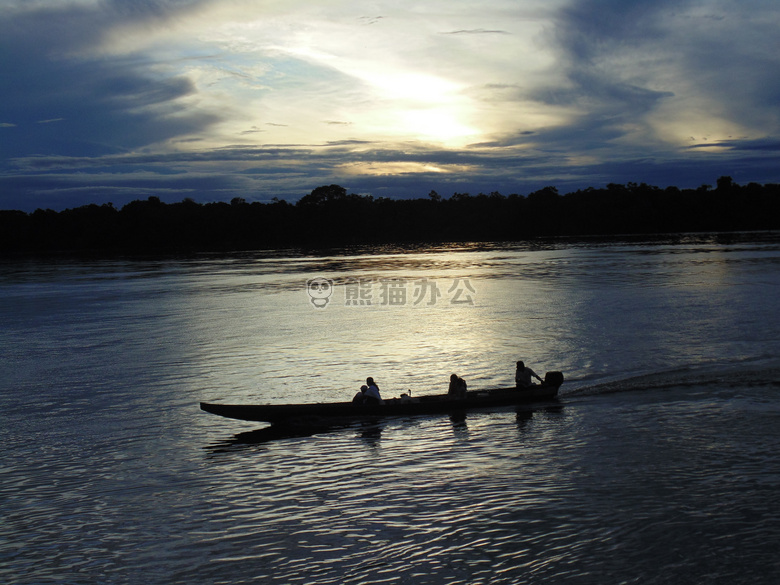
pixel 320 290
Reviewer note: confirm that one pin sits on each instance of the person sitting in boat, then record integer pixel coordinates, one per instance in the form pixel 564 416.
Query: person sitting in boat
pixel 372 393
pixel 523 377
pixel 458 387
pixel 360 397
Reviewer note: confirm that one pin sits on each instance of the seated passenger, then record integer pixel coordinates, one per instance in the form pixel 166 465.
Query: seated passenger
pixel 523 377
pixel 372 393
pixel 360 397
pixel 458 387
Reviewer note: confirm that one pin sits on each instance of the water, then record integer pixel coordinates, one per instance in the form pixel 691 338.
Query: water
pixel 659 465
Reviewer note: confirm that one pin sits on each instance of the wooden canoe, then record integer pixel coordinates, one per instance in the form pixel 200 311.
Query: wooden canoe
pixel 404 406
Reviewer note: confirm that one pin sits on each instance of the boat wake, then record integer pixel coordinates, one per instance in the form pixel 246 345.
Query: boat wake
pixel 694 376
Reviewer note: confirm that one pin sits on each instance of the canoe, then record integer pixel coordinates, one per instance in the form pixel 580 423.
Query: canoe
pixel 404 406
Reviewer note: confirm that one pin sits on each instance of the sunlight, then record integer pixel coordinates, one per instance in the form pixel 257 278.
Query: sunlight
pixel 696 122
pixel 400 168
pixel 422 106
pixel 436 124
pixel 418 87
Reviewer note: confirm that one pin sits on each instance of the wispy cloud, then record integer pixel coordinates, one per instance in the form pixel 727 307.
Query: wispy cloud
pixel 476 31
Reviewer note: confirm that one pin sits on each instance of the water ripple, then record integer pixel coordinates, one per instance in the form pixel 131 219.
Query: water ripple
pixel 660 464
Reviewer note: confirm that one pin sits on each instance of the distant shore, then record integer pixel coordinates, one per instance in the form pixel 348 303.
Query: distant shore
pixel 328 216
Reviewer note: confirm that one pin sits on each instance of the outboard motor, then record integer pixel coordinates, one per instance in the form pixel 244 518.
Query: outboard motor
pixel 553 379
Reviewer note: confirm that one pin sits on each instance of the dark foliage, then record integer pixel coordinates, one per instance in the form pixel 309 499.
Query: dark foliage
pixel 328 216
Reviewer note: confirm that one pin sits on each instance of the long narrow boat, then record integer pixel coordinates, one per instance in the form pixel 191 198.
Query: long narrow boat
pixel 404 406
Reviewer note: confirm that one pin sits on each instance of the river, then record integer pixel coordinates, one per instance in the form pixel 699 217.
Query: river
pixel 660 463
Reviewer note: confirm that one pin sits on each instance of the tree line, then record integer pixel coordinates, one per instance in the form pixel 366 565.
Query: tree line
pixel 329 216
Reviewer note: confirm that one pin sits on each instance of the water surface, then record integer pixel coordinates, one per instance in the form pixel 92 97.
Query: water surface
pixel 658 465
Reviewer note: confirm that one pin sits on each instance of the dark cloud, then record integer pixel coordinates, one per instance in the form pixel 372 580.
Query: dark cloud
pixel 768 145
pixel 101 105
pixel 260 173
pixel 589 29
pixel 590 36
pixel 726 52
pixel 144 9
pixel 596 92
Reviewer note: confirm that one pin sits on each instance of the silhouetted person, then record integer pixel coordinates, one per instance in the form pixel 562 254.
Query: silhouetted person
pixel 457 388
pixel 372 393
pixel 360 397
pixel 523 376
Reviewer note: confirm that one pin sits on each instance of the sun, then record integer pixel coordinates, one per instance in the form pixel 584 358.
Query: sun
pixel 436 124
pixel 429 109
pixel 420 106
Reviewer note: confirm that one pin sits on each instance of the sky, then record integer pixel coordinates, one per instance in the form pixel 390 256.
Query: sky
pixel 116 100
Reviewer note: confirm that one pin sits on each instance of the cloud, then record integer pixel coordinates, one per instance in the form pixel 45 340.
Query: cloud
pixel 706 65
pixel 476 31
pixel 100 105
pixel 225 98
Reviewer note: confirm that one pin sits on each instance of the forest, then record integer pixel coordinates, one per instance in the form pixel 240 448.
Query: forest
pixel 329 216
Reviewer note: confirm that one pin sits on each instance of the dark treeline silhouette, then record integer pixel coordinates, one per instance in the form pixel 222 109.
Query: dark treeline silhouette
pixel 328 216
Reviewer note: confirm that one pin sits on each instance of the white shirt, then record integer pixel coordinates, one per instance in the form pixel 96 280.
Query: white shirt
pixel 523 377
pixel 373 392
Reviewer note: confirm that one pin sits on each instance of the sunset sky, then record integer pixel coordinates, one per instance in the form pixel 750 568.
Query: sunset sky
pixel 115 100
